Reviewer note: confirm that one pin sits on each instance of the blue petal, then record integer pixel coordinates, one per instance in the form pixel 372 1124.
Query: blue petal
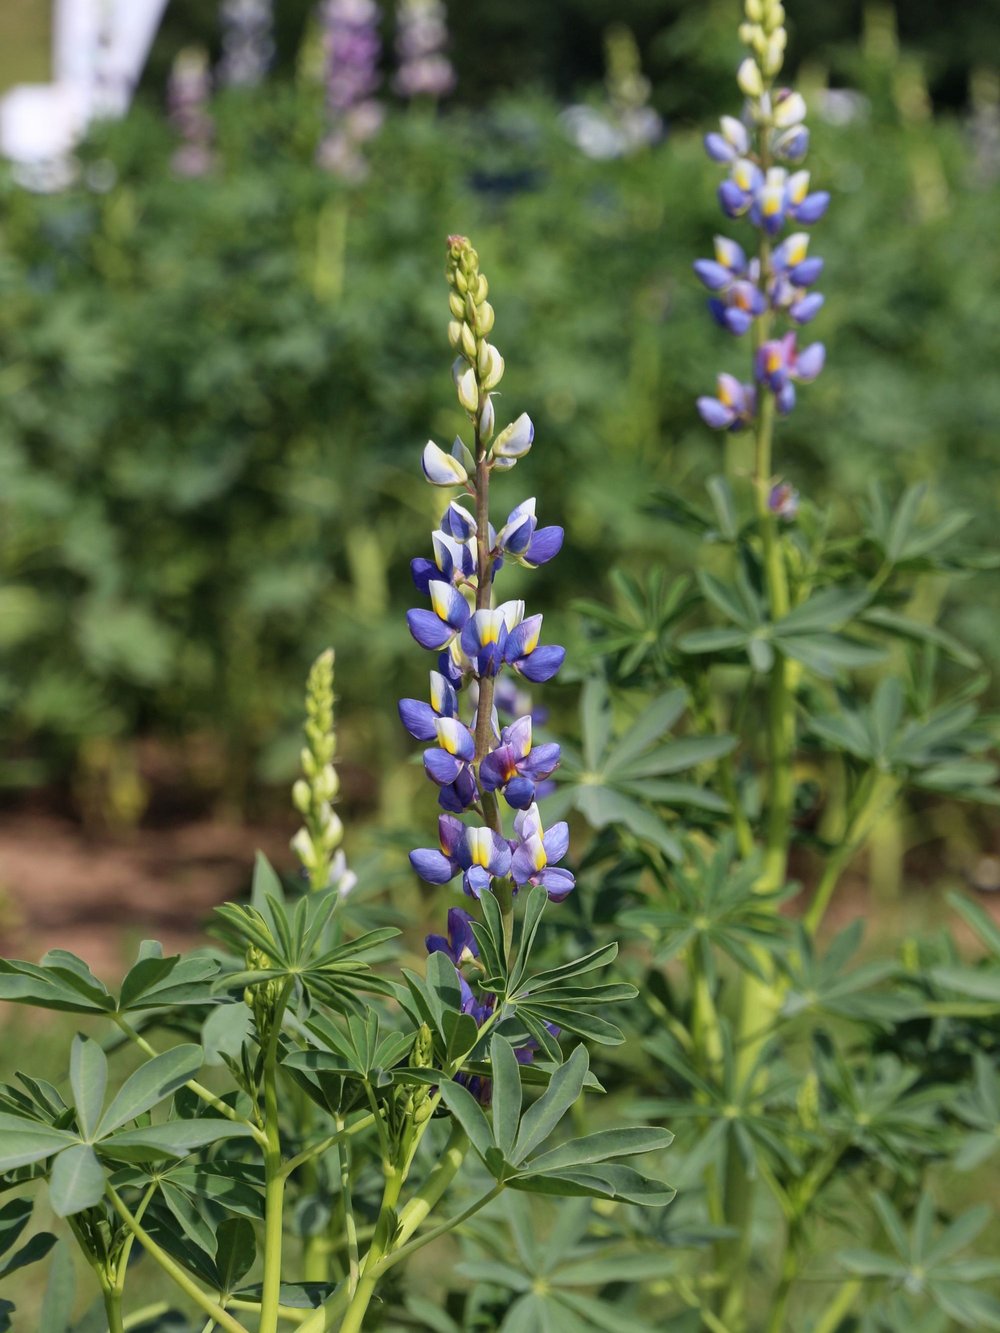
pixel 418 718
pixel 542 664
pixel 556 882
pixel 423 571
pixel 432 866
pixel 520 792
pixel 428 630
pixel 441 766
pixel 544 545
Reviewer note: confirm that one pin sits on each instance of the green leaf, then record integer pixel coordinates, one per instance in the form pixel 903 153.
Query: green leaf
pixel 151 1083
pixel 31 1252
pixel 25 1141
pixel 172 1138
pixel 76 1182
pixel 597 718
pixel 88 1077
pixel 14 1217
pixel 541 1119
pixel 235 1252
pixel 827 610
pixel 469 1114
pixel 827 654
pixel 651 723
pixel 602 1146
pixel 506 1093
pixel 60 1292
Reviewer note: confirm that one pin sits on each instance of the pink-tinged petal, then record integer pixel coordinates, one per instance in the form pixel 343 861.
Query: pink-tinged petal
pixel 418 718
pixel 493 770
pixel 428 630
pixel 432 866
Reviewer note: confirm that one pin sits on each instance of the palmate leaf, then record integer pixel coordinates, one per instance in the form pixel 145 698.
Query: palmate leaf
pixel 612 780
pixel 637 632
pixel 588 1167
pixel 826 985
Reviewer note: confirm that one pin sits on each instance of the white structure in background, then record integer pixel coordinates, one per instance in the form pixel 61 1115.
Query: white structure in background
pixel 99 49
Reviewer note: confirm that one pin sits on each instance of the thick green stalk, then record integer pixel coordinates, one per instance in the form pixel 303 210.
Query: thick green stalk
pixel 381 1243
pixel 350 1226
pixel 428 1196
pixel 274 1175
pixel 113 1309
pixel 841 1305
pixel 401 1252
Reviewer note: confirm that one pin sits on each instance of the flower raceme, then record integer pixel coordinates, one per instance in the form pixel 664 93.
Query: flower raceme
pixel 483 647
pixel 753 292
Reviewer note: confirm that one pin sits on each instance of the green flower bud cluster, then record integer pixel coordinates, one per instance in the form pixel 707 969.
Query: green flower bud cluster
pixel 764 33
pixel 314 793
pixel 479 367
pixel 261 1000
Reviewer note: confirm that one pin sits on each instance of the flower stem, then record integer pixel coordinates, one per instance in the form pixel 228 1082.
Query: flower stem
pixel 173 1269
pixel 876 792
pixel 381 1242
pixel 274 1176
pixel 418 1208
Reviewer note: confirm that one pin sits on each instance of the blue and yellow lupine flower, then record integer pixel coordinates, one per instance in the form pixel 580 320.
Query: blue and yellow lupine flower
pixel 732 408
pixel 420 719
pixel 523 653
pixel 447 618
pixel 737 299
pixel 454 562
pixel 779 365
pixel 520 539
pixel 536 852
pixel 460 945
pixel 479 855
pixel 731 143
pixel 449 764
pixel 515 767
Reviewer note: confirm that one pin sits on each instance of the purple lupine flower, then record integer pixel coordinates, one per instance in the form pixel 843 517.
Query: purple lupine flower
pixel 737 299
pixel 792 272
pixel 454 562
pixel 522 540
pixel 732 408
pixel 783 501
pixel 351 48
pixel 536 851
pixel 449 764
pixel 188 93
pixel 421 38
pixel 420 719
pixel 247 42
pixel 523 653
pixel 779 362
pixel 515 767
pixel 438 627
pixel 732 143
pixel 460 945
pixel 478 854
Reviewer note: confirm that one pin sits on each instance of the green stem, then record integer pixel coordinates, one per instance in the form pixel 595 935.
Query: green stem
pixel 381 1242
pixel 876 792
pixel 208 1097
pixel 286 1312
pixel 404 1251
pixel 173 1269
pixel 317 1149
pixel 839 1307
pixel 427 1197
pixel 350 1226
pixel 113 1309
pixel 274 1176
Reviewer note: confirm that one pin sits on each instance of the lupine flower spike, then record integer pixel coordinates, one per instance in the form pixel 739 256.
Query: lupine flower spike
pixel 480 643
pixel 317 843
pixel 351 47
pixel 421 38
pixel 753 293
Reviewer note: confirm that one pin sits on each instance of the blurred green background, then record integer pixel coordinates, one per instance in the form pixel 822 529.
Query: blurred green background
pixel 210 427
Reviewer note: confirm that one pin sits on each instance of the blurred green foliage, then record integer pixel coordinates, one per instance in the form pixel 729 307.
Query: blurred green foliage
pixel 210 416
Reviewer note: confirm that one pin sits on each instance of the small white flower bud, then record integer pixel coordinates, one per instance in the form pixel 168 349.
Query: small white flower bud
pixel 491 366
pixel 754 10
pixel 774 55
pixel 454 332
pixel 456 305
pixel 468 342
pixel 484 319
pixel 468 391
pixel 301 796
pixel 749 78
pixel 487 420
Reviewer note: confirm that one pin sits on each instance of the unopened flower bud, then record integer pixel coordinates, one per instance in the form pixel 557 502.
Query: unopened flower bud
pixel 468 340
pixel 301 796
pixel 774 55
pixel 749 78
pixel 463 454
pixel 484 319
pixel 515 440
pixel 423 1047
pixel 454 332
pixel 468 391
pixel 487 420
pixel 442 469
pixel 456 305
pixel 491 366
pixel 754 10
